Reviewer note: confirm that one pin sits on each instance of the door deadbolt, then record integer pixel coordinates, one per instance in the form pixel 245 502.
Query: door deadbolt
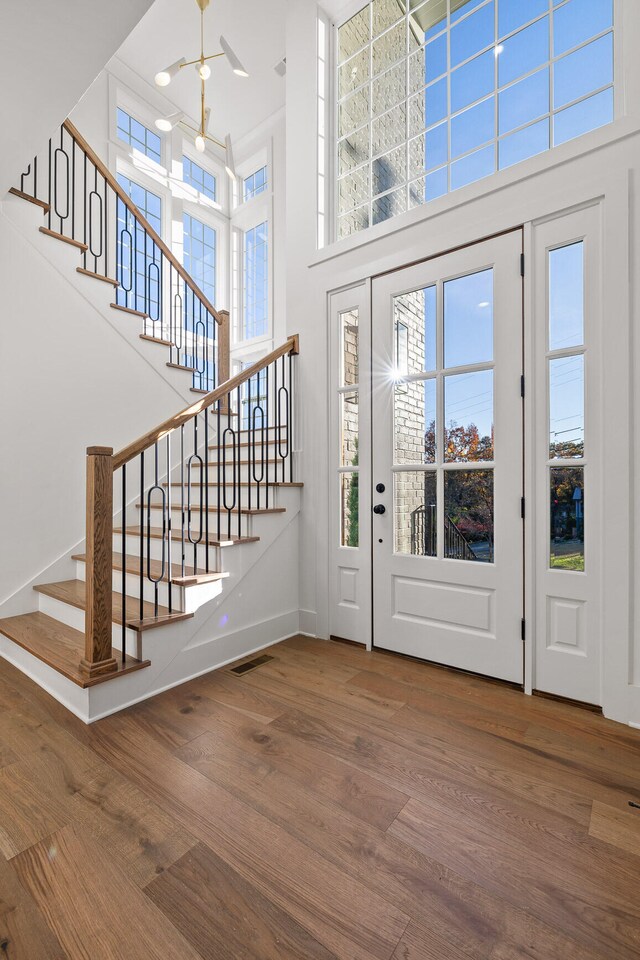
pixel 379 508
pixel 380 488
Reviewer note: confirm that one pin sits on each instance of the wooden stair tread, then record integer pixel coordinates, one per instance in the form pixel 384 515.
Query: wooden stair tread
pixel 27 196
pixel 165 343
pixel 60 647
pixel 156 533
pixel 136 313
pixel 61 236
pixel 97 276
pixel 73 593
pixel 133 566
pixel 249 512
pixel 243 483
pixel 180 366
pixel 270 440
pixel 243 463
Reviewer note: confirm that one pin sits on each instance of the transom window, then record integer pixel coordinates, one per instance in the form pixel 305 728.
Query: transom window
pixel 254 184
pixel 138 136
pixel 202 181
pixel 436 94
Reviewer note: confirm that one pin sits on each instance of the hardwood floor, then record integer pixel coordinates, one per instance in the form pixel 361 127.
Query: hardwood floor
pixel 329 804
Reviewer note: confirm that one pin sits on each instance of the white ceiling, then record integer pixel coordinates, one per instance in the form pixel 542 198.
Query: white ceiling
pixel 256 31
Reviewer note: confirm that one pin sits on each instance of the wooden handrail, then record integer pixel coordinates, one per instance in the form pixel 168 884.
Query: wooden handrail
pixel 115 186
pixel 143 443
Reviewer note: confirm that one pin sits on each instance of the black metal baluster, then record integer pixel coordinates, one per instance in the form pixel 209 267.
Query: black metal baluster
pixel 73 188
pixel 250 438
pixel 49 198
pixel 134 261
pixel 206 490
pixel 195 458
pixel 105 208
pixel 182 555
pixel 290 437
pixel 237 459
pixel 124 562
pixel 141 571
pixel 156 486
pixel 265 453
pixel 84 210
pixel 169 524
pixel 219 456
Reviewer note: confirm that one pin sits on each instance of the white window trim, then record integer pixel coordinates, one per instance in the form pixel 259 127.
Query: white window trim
pixel 627 29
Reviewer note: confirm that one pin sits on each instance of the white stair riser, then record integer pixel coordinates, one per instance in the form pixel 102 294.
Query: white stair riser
pixel 239 525
pixel 155 550
pixel 132 583
pixel 74 617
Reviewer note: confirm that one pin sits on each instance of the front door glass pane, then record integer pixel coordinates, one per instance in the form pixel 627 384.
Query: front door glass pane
pixel 415 513
pixel 415 329
pixel 468 319
pixel 468 417
pixel 468 515
pixel 415 421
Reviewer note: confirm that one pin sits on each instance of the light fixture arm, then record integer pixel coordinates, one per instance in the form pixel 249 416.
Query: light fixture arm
pixel 164 77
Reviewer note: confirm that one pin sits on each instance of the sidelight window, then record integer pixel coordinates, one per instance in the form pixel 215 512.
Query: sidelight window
pixel 566 395
pixel 348 396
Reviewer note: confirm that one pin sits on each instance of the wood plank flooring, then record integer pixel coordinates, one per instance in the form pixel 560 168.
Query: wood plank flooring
pixel 331 804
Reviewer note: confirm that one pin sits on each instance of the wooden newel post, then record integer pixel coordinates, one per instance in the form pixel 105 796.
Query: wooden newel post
pixel 224 355
pixel 98 655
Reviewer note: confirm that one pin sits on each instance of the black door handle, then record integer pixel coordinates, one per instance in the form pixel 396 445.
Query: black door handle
pixel 379 508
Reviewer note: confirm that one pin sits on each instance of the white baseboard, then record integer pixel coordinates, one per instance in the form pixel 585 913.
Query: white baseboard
pixel 244 643
pixel 308 623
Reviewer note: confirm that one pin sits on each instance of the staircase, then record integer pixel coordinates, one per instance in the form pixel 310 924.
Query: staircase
pixel 183 517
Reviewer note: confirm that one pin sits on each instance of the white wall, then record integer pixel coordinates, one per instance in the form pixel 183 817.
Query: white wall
pixel 49 54
pixel 603 164
pixel 68 379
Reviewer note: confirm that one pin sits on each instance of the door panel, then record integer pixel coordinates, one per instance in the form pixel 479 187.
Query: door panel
pixel 447 457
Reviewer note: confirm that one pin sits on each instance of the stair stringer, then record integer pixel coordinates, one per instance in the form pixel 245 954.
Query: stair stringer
pixel 255 609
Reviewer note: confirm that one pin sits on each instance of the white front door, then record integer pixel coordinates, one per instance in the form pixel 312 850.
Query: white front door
pixel 448 459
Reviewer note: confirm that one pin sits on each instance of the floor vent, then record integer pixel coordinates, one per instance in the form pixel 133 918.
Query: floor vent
pixel 251 664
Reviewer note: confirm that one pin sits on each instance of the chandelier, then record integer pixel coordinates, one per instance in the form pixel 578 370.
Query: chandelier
pixel 164 78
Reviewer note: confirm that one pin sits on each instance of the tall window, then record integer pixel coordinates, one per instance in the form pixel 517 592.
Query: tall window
pixel 203 181
pixel 199 258
pixel 139 136
pixel 138 259
pixel 565 358
pixel 255 282
pixel 435 95
pixel 254 184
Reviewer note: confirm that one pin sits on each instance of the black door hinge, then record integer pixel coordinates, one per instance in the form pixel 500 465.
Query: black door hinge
pixel 523 629
pixel 522 386
pixel 522 264
pixel 522 507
